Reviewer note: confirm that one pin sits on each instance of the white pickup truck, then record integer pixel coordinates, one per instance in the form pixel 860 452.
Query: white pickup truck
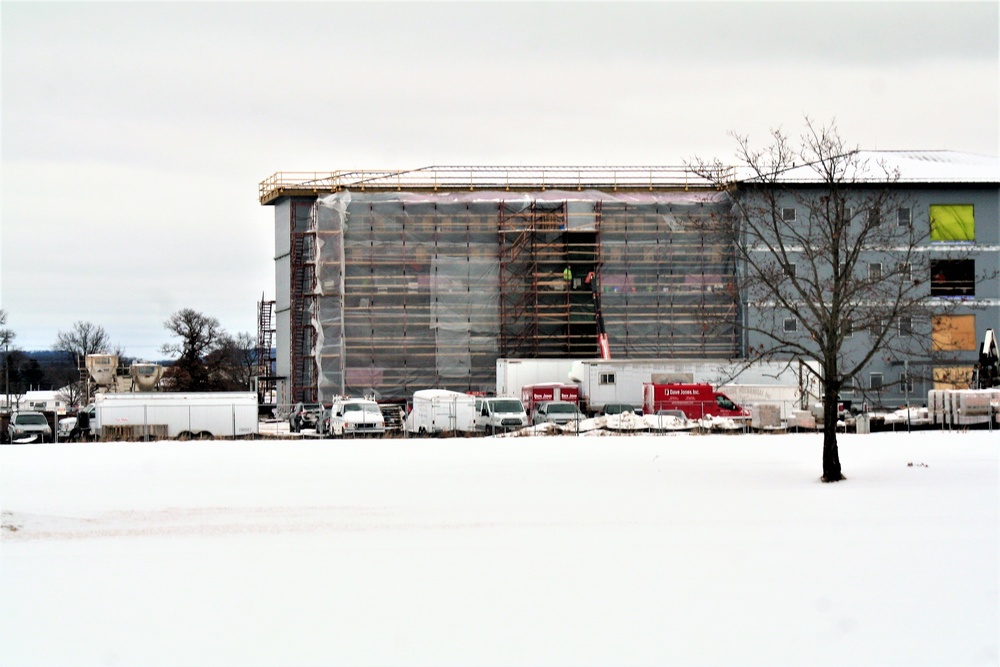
pixel 354 416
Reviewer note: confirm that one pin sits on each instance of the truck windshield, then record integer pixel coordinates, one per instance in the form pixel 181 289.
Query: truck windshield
pixel 32 420
pixel 562 408
pixel 507 406
pixel 724 402
pixel 367 408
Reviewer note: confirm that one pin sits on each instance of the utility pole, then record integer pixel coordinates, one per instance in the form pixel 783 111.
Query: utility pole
pixel 906 391
pixel 6 373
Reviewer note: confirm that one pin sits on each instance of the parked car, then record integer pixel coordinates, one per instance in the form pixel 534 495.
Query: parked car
pixel 305 415
pixel 27 426
pixel 556 412
pixel 618 408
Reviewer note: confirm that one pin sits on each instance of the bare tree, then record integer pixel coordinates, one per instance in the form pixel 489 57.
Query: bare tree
pixel 200 337
pixel 83 339
pixel 72 388
pixel 822 256
pixel 233 363
pixel 6 335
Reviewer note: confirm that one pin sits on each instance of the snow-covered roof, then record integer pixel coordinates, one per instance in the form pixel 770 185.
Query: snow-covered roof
pixel 911 166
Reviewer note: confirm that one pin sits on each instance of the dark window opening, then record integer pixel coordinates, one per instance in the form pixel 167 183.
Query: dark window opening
pixel 953 277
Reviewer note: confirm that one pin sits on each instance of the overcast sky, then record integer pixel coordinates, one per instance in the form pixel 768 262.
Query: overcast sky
pixel 134 135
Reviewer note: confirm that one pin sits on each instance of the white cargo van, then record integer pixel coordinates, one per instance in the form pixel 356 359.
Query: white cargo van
pixel 494 415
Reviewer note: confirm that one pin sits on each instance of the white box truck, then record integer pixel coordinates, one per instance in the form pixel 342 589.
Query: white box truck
pixel 178 415
pixel 514 374
pixel 441 411
pixel 787 398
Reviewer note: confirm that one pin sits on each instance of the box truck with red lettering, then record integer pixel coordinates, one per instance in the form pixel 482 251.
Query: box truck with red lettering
pixel 533 394
pixel 604 381
pixel 696 401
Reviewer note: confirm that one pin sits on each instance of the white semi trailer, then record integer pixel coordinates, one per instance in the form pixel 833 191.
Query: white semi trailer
pixel 513 374
pixel 175 415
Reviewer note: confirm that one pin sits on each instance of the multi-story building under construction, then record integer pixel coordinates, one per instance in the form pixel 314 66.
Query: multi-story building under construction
pixel 390 282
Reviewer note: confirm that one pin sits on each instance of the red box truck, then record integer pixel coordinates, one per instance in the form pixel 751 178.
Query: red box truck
pixel 533 394
pixel 694 400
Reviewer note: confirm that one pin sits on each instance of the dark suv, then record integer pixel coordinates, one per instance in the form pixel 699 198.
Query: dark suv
pixel 304 415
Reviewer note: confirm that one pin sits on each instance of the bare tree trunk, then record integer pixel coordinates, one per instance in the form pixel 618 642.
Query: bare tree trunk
pixel 831 453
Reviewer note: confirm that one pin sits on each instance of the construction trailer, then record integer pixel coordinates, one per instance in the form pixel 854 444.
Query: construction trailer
pixel 514 374
pixel 437 411
pixel 390 282
pixel 158 415
pixel 604 381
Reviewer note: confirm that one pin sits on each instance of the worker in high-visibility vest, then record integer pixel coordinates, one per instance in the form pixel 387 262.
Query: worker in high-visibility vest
pixel 568 274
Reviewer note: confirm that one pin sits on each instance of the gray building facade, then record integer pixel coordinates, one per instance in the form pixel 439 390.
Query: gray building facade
pixel 946 203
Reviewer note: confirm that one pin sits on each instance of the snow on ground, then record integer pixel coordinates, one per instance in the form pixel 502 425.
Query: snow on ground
pixel 675 549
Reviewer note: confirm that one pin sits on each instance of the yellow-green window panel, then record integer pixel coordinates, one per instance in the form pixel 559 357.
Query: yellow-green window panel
pixel 953 222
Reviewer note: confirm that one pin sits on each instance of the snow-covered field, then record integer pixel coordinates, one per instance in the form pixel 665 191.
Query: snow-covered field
pixel 654 550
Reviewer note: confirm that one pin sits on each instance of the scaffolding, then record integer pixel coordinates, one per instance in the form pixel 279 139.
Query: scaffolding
pixel 546 302
pixel 264 354
pixel 302 303
pixel 392 292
